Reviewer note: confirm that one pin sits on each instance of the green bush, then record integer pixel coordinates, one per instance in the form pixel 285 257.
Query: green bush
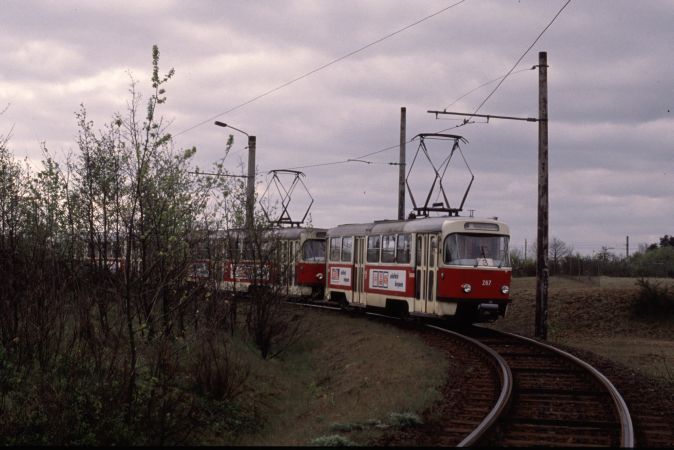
pixel 62 406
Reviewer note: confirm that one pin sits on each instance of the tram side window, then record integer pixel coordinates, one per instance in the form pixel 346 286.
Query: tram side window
pixel 373 247
pixel 403 249
pixel 388 248
pixel 347 249
pixel 335 248
pixel 432 251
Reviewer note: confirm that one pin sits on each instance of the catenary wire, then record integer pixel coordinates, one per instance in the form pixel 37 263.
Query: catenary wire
pixel 486 84
pixel 324 66
pixel 520 58
pixel 332 163
pixel 465 121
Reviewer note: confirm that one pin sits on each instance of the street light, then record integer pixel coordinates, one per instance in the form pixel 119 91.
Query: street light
pixel 250 184
pixel 224 125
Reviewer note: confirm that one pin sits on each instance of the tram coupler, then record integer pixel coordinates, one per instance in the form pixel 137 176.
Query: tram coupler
pixel 487 312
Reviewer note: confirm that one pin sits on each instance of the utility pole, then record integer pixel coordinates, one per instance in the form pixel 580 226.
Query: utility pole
pixel 250 183
pixel 542 272
pixel 401 166
pixel 525 250
pixel 627 247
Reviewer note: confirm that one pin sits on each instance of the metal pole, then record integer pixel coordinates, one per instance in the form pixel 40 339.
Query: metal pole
pixel 542 272
pixel 401 167
pixel 250 186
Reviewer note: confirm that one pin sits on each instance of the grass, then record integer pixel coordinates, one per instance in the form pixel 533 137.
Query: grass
pixel 347 375
pixel 405 420
pixel 599 317
pixel 333 440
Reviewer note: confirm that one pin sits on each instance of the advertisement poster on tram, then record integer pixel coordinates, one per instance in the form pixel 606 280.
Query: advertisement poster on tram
pixel 390 280
pixel 340 276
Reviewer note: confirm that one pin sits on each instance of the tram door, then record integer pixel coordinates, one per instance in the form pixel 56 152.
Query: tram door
pixel 426 258
pixel 292 258
pixel 359 270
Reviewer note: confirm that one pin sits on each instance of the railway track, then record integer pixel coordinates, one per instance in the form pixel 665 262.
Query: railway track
pixel 555 399
pixel 524 393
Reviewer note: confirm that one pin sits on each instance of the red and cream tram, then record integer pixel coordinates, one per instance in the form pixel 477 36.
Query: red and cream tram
pixel 429 267
pixel 297 264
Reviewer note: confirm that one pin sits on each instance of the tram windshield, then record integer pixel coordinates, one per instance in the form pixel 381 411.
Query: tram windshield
pixel 314 250
pixel 462 249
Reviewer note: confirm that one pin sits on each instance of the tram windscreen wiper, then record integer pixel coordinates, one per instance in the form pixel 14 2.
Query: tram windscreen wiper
pixel 482 255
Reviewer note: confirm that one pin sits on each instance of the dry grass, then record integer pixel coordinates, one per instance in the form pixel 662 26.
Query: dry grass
pixel 597 315
pixel 348 374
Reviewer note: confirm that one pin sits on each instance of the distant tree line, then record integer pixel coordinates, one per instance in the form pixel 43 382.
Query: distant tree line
pixel 654 260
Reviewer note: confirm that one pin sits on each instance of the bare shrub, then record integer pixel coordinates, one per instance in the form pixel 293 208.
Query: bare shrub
pixel 271 324
pixel 95 309
pixel 653 299
pixel 214 371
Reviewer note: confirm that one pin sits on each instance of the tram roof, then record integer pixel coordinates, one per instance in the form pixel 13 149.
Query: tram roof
pixel 280 233
pixel 423 225
pixel 295 233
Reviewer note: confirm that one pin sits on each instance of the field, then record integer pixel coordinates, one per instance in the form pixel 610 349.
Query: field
pixel 597 315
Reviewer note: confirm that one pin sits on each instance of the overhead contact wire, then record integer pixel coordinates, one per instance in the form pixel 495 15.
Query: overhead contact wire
pixel 324 66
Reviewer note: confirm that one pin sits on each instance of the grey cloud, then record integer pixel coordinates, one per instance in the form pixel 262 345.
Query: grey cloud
pixel 610 85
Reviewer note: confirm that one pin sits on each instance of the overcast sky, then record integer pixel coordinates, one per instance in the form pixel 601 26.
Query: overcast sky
pixel 610 78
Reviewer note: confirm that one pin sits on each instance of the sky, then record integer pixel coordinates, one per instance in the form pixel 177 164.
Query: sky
pixel 319 82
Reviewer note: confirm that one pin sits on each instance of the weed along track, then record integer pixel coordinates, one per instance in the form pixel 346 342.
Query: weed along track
pixel 556 400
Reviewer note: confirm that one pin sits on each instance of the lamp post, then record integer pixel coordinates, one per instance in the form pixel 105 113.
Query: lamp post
pixel 250 184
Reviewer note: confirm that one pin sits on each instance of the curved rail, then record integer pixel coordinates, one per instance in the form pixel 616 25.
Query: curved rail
pixel 504 396
pixel 626 426
pixel 505 373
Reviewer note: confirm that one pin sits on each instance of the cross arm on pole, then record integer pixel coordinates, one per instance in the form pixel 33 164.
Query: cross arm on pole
pixel 487 116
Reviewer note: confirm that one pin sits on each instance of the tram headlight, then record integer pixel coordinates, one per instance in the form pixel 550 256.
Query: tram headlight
pixel 466 288
pixel 319 276
pixel 505 289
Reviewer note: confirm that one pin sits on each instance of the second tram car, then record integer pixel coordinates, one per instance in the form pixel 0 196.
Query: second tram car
pixel 298 265
pixel 429 267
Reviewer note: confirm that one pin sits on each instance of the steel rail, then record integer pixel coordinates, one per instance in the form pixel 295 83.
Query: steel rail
pixel 626 426
pixel 505 375
pixel 627 439
pixel 504 396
